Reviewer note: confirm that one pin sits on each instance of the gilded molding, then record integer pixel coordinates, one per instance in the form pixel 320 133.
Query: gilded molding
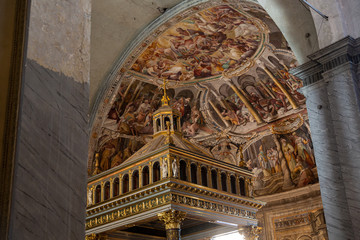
pixel 208 201
pixel 172 218
pixel 120 213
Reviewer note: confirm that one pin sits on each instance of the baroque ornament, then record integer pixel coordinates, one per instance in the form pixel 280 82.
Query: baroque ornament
pixel 172 218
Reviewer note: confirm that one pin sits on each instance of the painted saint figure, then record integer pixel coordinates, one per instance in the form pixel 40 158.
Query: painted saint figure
pixel 89 197
pixel 174 168
pixel 288 151
pixel 117 159
pixel 306 176
pixel 105 157
pixel 302 151
pixel 264 162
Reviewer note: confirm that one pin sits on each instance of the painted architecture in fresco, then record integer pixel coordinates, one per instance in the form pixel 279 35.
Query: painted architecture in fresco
pixel 205 44
pixel 254 117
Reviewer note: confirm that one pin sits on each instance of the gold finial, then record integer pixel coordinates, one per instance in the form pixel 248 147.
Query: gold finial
pixel 165 99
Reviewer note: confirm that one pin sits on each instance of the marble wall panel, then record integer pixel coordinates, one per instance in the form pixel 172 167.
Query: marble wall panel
pixel 50 176
pixel 345 116
pixel 328 162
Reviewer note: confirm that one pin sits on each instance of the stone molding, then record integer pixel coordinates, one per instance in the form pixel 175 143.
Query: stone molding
pixel 346 50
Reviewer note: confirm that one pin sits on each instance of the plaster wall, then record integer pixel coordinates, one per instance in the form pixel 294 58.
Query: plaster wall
pixel 344 16
pixel 59 37
pixel 296 24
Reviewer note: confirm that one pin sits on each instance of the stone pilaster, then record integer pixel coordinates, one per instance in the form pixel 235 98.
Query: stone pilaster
pixel 172 220
pixel 331 87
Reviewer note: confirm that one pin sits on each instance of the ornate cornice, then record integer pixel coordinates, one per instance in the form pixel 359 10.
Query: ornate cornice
pixel 172 193
pixel 346 50
pixel 174 151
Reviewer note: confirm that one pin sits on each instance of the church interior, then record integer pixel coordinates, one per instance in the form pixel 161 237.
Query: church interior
pixel 195 119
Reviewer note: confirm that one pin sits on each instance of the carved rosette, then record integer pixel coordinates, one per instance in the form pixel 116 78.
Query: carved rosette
pixel 172 218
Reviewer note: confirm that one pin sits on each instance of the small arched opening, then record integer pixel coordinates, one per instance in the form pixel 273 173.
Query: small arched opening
pixel 125 183
pixel 97 194
pixel 214 178
pixel 116 187
pixel 193 173
pixel 145 176
pixel 204 180
pixel 183 170
pixel 135 180
pixel 223 182
pixel 233 184
pixel 156 171
pixel 242 186
pixel 158 125
pixel 107 191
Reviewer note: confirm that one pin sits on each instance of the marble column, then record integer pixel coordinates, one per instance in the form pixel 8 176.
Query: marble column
pixel 332 100
pixel 172 220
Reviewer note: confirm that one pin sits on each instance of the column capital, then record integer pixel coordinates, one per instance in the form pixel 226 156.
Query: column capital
pixel 343 51
pixel 250 232
pixel 172 218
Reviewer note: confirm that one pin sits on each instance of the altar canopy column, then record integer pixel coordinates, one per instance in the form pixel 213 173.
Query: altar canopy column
pixel 172 220
pixel 331 87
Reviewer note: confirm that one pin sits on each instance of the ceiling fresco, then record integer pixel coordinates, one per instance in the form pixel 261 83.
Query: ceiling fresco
pixel 255 119
pixel 208 43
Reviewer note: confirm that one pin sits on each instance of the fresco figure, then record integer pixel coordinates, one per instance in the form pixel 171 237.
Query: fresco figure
pixel 280 95
pixel 117 159
pixel 284 166
pixel 164 168
pixel 306 176
pixel 231 116
pixel 255 100
pixel 174 168
pixel 288 151
pixel 203 45
pixel 127 152
pixel 273 158
pixel 89 197
pixel 302 151
pixel 105 157
pixel 264 162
